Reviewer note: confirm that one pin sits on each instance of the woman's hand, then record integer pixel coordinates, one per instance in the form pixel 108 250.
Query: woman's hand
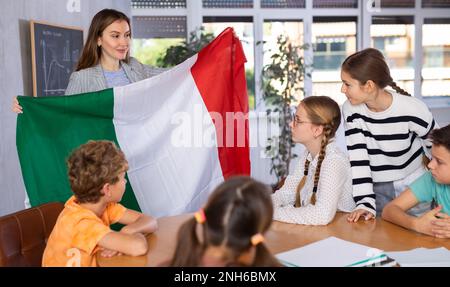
pixel 356 214
pixel 16 107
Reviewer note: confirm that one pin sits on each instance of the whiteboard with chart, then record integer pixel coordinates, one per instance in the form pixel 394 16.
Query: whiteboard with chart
pixel 55 52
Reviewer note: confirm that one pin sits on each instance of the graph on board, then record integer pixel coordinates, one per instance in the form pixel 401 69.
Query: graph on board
pixel 56 52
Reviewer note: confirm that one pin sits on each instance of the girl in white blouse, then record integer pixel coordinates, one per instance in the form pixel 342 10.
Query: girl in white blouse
pixel 322 181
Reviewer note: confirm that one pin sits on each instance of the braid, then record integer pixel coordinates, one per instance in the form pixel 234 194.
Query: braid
pixel 398 89
pixel 301 184
pixel 327 132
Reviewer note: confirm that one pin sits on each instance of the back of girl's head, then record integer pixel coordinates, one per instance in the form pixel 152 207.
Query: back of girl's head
pixel 91 52
pixel 441 137
pixel 236 211
pixel 369 64
pixel 324 111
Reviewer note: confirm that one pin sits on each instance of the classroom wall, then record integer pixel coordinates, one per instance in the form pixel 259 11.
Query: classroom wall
pixel 16 78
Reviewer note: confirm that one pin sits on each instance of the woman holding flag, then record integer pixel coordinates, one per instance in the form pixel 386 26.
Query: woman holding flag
pixel 105 61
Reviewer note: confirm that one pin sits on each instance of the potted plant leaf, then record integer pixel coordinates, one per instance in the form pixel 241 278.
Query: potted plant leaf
pixel 176 54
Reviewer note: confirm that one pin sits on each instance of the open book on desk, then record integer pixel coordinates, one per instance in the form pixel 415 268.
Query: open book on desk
pixel 334 252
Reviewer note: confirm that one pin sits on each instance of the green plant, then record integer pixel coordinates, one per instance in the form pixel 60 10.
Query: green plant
pixel 176 54
pixel 249 77
pixel 282 81
pixel 149 51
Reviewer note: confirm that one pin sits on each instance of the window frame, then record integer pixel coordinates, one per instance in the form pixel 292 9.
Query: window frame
pixel 195 12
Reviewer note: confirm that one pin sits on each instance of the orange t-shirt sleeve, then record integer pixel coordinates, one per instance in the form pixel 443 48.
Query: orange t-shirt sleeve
pixel 88 233
pixel 115 212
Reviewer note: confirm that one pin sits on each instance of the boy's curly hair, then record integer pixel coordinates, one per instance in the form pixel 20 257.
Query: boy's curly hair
pixel 91 166
pixel 441 137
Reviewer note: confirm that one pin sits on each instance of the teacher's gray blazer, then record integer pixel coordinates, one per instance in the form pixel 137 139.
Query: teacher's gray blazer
pixel 92 79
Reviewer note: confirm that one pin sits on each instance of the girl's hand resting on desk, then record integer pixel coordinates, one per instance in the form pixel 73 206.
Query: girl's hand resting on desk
pixel 356 214
pixel 16 107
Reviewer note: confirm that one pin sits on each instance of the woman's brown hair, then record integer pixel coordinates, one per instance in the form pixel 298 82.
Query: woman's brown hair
pixel 369 64
pixel 238 209
pixel 322 111
pixel 91 51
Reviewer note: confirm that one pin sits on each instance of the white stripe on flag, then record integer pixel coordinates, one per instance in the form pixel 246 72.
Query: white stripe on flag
pixel 143 114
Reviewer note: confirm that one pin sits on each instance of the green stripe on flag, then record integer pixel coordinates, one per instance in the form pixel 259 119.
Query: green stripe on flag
pixel 49 129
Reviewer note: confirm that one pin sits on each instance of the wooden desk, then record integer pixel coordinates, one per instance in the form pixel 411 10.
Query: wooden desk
pixel 283 236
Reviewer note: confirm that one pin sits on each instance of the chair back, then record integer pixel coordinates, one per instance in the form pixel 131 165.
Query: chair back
pixel 24 234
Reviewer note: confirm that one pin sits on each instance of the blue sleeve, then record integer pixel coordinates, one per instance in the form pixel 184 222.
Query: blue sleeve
pixel 423 187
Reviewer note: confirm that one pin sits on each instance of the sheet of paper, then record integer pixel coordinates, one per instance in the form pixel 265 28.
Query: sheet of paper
pixel 331 252
pixel 437 257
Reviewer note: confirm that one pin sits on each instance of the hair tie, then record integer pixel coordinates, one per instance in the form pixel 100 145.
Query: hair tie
pixel 257 239
pixel 200 216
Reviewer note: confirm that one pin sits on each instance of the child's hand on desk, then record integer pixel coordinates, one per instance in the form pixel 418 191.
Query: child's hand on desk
pixel 355 215
pixel 109 253
pixel 424 224
pixel 441 225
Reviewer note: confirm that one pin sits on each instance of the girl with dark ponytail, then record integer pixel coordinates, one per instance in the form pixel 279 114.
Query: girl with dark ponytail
pixel 321 183
pixel 386 132
pixel 229 230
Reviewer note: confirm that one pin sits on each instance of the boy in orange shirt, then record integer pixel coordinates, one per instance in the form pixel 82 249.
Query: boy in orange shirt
pixel 97 178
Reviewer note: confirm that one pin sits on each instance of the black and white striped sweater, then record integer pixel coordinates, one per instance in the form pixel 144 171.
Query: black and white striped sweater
pixel 385 146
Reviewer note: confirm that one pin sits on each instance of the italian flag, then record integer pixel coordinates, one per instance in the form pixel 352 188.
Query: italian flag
pixel 183 132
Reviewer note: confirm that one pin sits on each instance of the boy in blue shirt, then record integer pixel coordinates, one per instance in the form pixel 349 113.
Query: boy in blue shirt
pixel 434 187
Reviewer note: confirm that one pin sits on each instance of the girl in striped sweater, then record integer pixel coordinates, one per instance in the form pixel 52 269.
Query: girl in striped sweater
pixel 321 183
pixel 386 133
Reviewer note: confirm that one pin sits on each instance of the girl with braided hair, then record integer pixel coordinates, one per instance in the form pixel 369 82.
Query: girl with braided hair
pixel 386 133
pixel 321 183
pixel 229 230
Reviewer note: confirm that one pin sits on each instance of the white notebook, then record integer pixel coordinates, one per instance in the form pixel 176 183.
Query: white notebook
pixel 332 252
pixel 422 257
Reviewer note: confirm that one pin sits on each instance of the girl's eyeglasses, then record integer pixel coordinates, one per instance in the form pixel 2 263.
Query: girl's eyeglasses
pixel 296 121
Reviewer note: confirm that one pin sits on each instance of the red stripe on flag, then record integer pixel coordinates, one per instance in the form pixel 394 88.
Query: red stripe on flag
pixel 219 75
